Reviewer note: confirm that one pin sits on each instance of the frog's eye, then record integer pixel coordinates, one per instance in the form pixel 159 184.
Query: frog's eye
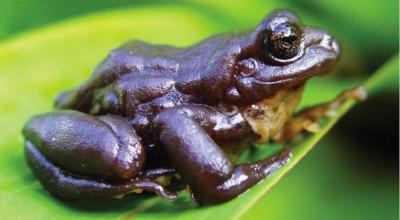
pixel 283 42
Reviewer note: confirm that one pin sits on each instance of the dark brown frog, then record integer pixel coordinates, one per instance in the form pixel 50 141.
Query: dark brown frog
pixel 152 111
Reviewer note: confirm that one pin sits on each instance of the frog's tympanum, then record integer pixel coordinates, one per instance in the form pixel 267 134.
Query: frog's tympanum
pixel 160 118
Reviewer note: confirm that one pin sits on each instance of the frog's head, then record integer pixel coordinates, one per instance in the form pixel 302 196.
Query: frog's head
pixel 280 53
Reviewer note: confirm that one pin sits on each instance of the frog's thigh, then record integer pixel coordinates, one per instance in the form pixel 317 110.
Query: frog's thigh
pixel 102 146
pixel 66 148
pixel 203 165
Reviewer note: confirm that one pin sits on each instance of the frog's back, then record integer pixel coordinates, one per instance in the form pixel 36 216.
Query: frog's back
pixel 140 58
pixel 144 58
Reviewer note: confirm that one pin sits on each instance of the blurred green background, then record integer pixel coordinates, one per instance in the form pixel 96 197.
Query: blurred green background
pixel 353 172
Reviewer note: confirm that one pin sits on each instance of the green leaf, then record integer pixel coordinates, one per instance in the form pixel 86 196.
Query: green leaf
pixel 35 66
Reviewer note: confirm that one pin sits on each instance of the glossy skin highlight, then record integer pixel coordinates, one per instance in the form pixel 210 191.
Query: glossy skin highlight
pixel 151 111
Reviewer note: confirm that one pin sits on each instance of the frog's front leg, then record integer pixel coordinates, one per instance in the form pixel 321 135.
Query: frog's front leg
pixel 308 119
pixel 79 156
pixel 200 161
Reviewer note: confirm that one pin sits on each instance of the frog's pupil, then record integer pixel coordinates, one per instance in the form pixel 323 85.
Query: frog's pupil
pixel 290 39
pixel 283 42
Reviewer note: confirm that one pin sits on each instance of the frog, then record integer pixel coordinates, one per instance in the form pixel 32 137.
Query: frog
pixel 153 114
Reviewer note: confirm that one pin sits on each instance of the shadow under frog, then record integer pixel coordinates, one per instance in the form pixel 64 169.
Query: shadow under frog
pixel 154 111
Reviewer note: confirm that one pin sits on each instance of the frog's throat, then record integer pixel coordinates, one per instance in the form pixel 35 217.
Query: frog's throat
pixel 267 117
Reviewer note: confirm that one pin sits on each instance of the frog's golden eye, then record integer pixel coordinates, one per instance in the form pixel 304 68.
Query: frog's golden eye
pixel 283 42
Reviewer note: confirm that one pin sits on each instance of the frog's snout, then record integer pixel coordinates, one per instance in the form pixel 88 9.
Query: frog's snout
pixel 314 37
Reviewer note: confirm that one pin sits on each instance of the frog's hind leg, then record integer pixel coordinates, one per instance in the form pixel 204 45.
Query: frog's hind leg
pixel 200 161
pixel 68 186
pixel 80 156
pixel 308 119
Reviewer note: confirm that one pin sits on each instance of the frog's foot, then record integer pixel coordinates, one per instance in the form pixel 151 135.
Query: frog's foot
pixel 69 186
pixel 200 161
pixel 309 118
pixel 242 178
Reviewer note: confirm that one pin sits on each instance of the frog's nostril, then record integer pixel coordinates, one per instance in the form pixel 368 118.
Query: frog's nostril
pixel 336 46
pixel 330 43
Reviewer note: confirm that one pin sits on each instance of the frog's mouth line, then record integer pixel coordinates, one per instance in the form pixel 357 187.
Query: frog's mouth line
pixel 278 82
